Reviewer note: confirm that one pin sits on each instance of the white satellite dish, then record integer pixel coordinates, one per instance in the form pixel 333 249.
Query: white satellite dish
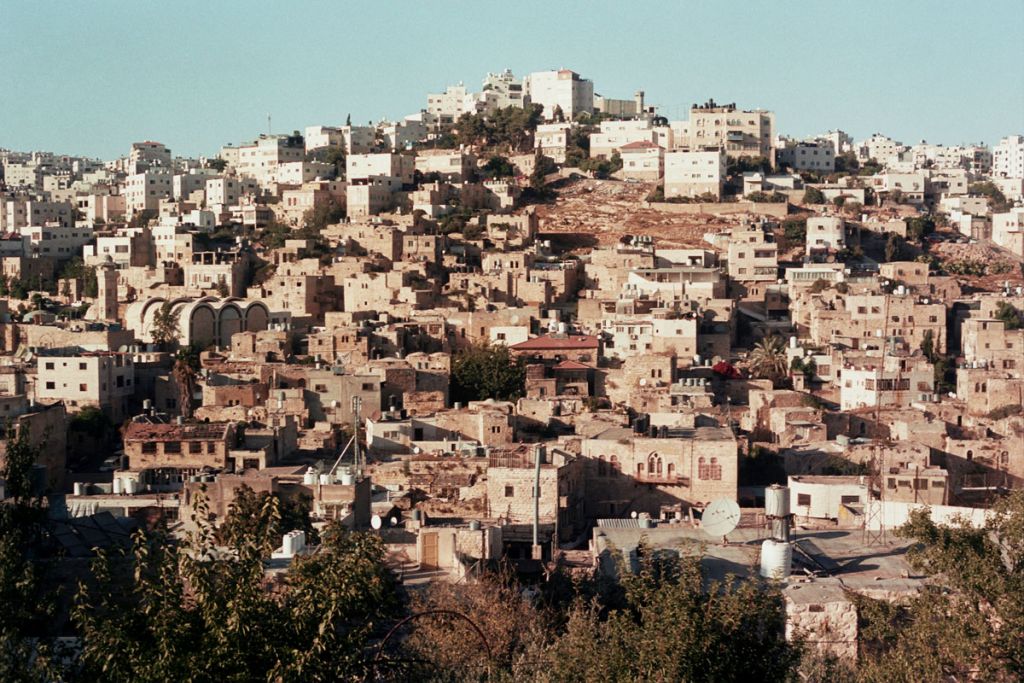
pixel 376 522
pixel 720 517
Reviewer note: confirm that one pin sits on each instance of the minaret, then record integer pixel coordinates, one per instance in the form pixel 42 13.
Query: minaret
pixel 106 296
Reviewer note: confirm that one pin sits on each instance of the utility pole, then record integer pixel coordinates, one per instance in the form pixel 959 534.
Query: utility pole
pixel 357 405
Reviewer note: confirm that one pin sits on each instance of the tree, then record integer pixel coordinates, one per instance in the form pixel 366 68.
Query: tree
pixel 813 195
pixel 189 610
pixel 482 371
pixel 186 366
pixel 264 517
pixel 919 227
pixel 317 219
pixel 997 201
pixel 894 247
pixel 928 345
pixel 27 615
pixel 768 358
pixel 216 164
pixel 1011 317
pixel 853 209
pixel 165 331
pixel 674 625
pixel 969 622
pixel 499 167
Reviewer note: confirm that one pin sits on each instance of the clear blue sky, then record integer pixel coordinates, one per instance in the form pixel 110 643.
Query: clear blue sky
pixel 91 77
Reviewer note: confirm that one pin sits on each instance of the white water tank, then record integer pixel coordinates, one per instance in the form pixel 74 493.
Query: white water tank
pixel 309 478
pixel 776 501
pixel 80 488
pixel 293 543
pixel 117 486
pixel 347 478
pixel 325 479
pixel 776 559
pixel 132 486
pixel 793 342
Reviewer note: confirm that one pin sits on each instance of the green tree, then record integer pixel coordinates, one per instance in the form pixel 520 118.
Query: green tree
pixel 264 517
pixel 675 625
pixel 1011 317
pixel 191 610
pixel 969 622
pixel 920 226
pixel 498 167
pixel 928 345
pixel 216 164
pixel 813 195
pixel 184 372
pixel 482 371
pixel 165 330
pixel 997 201
pixel 326 213
pixel 768 358
pixel 894 247
pixel 26 596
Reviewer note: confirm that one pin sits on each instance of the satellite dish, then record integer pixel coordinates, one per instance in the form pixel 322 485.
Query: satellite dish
pixel 633 514
pixel 720 517
pixel 376 522
pixel 394 521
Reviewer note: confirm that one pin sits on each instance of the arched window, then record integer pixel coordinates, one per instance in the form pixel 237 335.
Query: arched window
pixel 640 469
pixel 659 465
pixel 702 468
pixel 715 470
pixel 650 464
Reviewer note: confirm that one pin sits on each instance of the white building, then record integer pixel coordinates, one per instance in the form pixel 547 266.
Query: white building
pixel 143 191
pixel 260 159
pixel 552 139
pixel 820 497
pixel 564 89
pixel 691 174
pixel 1008 230
pixel 825 234
pixel 1008 157
pixel 808 156
pixel 615 135
pixel 881 148
pixel 448 105
pixel 889 381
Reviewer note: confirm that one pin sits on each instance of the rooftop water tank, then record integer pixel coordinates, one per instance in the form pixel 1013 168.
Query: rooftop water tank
pixel 776 559
pixel 776 501
pixel 309 477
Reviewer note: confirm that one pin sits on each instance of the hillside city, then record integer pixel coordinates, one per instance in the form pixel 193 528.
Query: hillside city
pixel 514 388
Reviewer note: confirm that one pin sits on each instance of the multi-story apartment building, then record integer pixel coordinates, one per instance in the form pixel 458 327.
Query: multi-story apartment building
pixel 1008 157
pixel 738 132
pixel 692 174
pixel 20 213
pixel 261 158
pixel 887 381
pixel 390 170
pixel 811 155
pixel 1008 230
pixel 143 191
pixel 102 379
pixel 753 256
pixel 825 234
pixel 563 89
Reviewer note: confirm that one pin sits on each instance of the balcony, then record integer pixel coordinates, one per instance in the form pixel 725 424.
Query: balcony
pixel 666 479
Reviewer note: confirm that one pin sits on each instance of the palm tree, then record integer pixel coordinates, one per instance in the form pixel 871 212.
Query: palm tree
pixel 768 359
pixel 186 362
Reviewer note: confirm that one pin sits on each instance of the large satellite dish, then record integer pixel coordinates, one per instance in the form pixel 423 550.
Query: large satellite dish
pixel 376 522
pixel 720 517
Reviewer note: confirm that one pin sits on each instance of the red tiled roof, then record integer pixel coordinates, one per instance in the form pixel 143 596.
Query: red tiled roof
pixel 571 365
pixel 571 341
pixel 639 144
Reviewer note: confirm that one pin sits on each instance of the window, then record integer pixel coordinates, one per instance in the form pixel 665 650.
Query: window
pixel 82 366
pixel 195 447
pixel 149 447
pixel 49 366
pixel 803 499
pixel 51 385
pixel 172 447
pixel 510 491
pixel 847 500
pixel 83 387
pixel 367 386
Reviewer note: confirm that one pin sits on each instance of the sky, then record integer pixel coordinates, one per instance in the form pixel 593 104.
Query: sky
pixel 90 78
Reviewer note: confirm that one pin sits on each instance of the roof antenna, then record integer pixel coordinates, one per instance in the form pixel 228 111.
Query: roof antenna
pixel 270 130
